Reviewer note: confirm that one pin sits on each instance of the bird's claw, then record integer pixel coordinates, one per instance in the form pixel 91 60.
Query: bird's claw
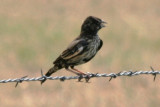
pixel 80 77
pixel 62 79
pixel 87 76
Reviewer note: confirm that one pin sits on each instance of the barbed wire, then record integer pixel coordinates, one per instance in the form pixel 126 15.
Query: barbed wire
pixel 80 77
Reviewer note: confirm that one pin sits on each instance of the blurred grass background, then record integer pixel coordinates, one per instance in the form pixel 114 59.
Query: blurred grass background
pixel 34 32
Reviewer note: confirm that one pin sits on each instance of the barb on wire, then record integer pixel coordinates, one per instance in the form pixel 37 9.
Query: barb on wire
pixel 80 77
pixel 20 81
pixel 153 74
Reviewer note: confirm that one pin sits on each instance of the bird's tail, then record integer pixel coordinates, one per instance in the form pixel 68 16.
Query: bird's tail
pixel 50 72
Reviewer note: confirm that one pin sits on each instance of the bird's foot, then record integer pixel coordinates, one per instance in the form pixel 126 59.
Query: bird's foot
pixel 87 76
pixel 80 77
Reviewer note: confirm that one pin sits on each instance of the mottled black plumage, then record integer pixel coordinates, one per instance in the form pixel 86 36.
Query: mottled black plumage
pixel 82 49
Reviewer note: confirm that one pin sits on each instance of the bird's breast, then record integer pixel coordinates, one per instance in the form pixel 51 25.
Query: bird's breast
pixel 93 46
pixel 89 52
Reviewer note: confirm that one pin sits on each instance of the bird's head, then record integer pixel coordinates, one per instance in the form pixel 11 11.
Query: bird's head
pixel 92 25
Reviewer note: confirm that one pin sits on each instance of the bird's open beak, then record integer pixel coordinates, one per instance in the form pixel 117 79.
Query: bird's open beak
pixel 103 24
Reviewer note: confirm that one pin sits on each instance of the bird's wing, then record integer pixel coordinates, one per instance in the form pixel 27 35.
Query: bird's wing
pixel 75 48
pixel 101 44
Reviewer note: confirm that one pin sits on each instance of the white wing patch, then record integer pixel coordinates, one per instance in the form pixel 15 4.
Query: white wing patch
pixel 74 54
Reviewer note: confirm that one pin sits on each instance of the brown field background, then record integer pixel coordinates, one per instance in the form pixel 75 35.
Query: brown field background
pixel 34 32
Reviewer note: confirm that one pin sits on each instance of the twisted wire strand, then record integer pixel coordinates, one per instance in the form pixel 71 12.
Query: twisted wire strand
pixel 86 77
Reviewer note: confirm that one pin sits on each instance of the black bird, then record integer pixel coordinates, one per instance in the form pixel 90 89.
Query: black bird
pixel 82 49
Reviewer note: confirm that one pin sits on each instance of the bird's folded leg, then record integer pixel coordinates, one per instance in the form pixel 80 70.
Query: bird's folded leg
pixel 78 71
pixel 72 71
